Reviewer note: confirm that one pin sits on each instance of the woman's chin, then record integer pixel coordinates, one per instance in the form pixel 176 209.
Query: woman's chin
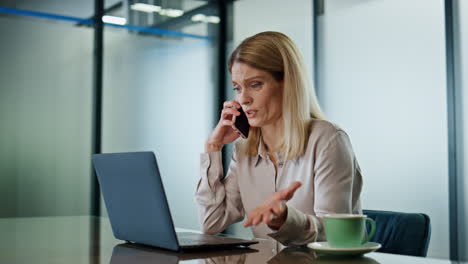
pixel 253 123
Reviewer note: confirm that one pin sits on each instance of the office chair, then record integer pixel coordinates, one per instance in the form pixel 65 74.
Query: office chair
pixel 401 233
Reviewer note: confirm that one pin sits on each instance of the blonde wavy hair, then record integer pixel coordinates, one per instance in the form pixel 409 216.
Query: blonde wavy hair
pixel 277 54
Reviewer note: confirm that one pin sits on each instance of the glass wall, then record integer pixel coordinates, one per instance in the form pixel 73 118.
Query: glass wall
pixel 159 78
pixel 382 77
pixel 45 108
pixel 159 94
pixel 67 8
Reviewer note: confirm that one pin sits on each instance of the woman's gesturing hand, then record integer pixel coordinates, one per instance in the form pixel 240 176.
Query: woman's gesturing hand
pixel 224 132
pixel 273 211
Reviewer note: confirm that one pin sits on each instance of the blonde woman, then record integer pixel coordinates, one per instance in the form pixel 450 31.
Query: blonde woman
pixel 293 168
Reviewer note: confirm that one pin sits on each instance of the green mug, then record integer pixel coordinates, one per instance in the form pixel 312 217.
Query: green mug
pixel 347 230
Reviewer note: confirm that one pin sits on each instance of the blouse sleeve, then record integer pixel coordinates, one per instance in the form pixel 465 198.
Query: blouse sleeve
pixel 219 199
pixel 337 187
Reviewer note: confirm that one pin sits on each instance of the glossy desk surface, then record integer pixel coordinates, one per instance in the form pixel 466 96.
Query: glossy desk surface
pixel 84 239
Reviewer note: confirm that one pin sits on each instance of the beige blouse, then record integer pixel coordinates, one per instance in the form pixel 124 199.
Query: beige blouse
pixel 331 183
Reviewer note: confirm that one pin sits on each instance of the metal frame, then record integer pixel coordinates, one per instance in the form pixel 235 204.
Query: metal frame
pixel 224 35
pixel 318 9
pixel 452 119
pixel 96 134
pixel 221 53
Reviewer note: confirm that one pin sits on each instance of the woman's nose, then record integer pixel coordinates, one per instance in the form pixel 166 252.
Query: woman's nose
pixel 245 99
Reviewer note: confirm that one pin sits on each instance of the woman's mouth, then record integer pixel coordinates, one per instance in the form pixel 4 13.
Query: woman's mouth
pixel 251 113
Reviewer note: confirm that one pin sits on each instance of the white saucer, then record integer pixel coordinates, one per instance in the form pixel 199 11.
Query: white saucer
pixel 324 248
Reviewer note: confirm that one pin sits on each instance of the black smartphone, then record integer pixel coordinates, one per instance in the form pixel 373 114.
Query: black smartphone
pixel 242 124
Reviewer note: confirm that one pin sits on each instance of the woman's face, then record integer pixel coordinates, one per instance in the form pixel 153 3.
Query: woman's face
pixel 259 94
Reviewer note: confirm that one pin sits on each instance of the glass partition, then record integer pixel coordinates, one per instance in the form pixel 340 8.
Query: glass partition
pixel 159 84
pixel 384 81
pixel 45 108
pixel 73 8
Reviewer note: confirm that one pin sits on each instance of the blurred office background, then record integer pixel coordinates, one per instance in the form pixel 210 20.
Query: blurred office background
pixel 390 72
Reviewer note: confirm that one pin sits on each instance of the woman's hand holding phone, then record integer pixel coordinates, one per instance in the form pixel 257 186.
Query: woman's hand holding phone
pixel 224 132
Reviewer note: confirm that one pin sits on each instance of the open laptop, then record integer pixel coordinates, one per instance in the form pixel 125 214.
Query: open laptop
pixel 137 205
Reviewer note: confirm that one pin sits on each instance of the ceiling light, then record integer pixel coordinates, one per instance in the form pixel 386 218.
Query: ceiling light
pixel 213 19
pixel 199 18
pixel 171 12
pixel 114 20
pixel 145 8
pixel 205 19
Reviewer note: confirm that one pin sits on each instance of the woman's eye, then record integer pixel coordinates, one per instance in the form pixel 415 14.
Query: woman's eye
pixel 236 89
pixel 256 84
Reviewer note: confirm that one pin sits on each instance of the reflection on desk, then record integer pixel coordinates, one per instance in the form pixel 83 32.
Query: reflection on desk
pixel 139 254
pixel 84 239
pixel 134 253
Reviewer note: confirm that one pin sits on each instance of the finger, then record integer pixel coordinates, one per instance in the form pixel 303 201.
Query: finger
pixel 287 194
pixel 279 208
pixel 257 220
pixel 267 217
pixel 228 113
pixel 248 222
pixel 295 185
pixel 232 111
pixel 235 128
pixel 227 123
pixel 250 219
pixel 231 104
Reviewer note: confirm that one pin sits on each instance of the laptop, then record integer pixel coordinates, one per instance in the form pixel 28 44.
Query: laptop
pixel 137 204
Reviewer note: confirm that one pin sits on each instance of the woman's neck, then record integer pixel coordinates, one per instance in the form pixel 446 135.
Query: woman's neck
pixel 272 136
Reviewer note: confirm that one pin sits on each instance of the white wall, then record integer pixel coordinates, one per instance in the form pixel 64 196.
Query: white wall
pixel 461 18
pixel 158 96
pixel 383 78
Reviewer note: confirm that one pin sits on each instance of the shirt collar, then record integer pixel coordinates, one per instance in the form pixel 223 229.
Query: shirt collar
pixel 261 152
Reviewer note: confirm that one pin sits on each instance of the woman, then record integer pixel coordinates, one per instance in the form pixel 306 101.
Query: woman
pixel 291 154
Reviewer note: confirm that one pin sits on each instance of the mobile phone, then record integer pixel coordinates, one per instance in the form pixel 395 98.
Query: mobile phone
pixel 242 124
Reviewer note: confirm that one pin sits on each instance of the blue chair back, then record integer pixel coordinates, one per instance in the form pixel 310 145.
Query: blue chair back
pixel 401 233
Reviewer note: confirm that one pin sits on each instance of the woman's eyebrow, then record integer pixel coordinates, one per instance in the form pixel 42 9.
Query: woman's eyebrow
pixel 253 77
pixel 248 79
